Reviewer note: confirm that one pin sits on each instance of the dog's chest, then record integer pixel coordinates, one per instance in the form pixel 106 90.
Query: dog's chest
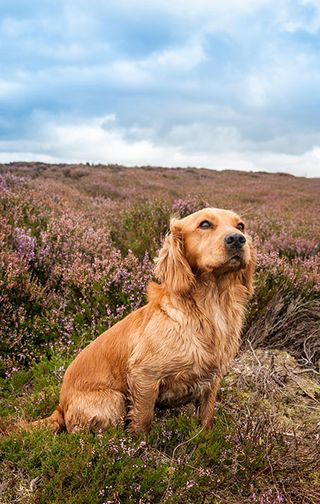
pixel 198 360
pixel 193 375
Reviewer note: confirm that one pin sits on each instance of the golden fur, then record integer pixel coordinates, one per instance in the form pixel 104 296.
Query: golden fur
pixel 175 349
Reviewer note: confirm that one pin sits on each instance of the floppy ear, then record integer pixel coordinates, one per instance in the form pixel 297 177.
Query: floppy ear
pixel 172 267
pixel 246 275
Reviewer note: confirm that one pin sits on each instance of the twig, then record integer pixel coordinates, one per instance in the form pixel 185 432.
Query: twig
pixel 186 442
pixel 172 460
pixel 308 370
pixel 303 390
pixel 254 354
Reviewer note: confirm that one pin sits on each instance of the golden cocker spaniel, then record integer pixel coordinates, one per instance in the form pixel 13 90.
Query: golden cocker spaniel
pixel 175 349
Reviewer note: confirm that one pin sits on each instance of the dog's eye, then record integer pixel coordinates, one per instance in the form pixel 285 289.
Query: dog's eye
pixel 240 226
pixel 205 225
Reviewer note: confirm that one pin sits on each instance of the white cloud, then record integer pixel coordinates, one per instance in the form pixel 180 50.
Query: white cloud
pixel 9 89
pixel 197 6
pixel 182 58
pixel 294 19
pixel 202 82
pixel 101 141
pixel 148 71
pixel 10 157
pixel 127 72
pixel 14 27
pixel 256 89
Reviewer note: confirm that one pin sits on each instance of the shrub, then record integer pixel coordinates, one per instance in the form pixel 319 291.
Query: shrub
pixel 140 227
pixel 73 262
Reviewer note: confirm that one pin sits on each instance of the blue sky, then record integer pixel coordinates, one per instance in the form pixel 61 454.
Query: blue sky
pixel 211 83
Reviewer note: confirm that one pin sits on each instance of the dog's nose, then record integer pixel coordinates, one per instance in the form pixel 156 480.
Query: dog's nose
pixel 235 240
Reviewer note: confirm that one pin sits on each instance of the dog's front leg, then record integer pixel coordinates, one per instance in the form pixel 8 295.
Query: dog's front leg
pixel 207 403
pixel 144 392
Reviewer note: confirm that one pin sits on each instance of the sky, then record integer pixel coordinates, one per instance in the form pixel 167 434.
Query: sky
pixel 232 84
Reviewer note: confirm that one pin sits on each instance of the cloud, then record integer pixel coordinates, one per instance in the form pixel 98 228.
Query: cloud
pixel 101 140
pixel 182 58
pixel 187 82
pixel 9 89
pixel 301 16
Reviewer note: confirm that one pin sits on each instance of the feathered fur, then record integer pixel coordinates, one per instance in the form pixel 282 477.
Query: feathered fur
pixel 173 350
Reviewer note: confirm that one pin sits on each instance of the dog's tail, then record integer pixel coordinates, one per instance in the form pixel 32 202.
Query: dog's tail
pixel 54 422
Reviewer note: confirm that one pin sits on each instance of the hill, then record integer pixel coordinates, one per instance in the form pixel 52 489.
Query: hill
pixel 76 252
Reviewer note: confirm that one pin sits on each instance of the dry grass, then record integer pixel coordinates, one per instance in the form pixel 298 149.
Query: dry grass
pixel 286 322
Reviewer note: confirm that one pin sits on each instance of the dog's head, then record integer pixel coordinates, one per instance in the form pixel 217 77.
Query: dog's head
pixel 211 240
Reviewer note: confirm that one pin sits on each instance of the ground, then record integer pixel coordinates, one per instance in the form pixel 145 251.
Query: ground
pixel 76 253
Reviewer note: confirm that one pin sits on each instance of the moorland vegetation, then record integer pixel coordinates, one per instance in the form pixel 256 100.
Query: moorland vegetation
pixel 77 244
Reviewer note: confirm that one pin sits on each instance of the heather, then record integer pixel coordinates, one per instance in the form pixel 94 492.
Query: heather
pixel 76 253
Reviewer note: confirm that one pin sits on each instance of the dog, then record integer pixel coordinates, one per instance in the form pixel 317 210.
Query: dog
pixel 175 349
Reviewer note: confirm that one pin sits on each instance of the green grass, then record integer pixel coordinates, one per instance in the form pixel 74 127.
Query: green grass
pixel 245 453
pixel 85 468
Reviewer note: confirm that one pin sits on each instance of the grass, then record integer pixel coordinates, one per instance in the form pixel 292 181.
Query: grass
pixel 76 252
pixel 263 438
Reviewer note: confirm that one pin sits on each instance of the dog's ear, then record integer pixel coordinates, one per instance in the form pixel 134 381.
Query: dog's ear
pixel 172 267
pixel 246 275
